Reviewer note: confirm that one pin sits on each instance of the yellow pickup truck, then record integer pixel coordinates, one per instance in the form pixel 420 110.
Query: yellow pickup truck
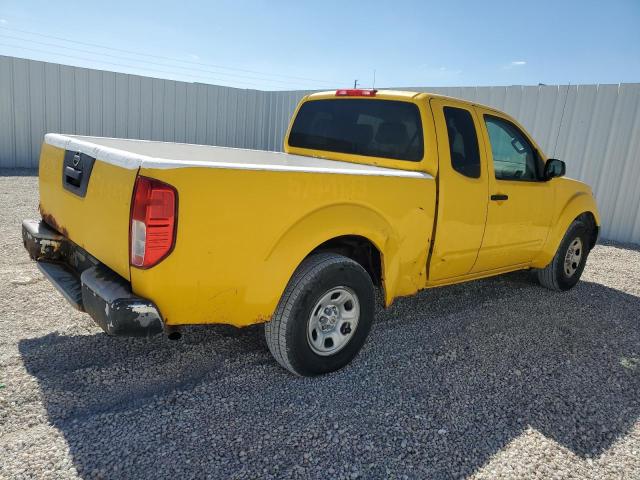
pixel 396 190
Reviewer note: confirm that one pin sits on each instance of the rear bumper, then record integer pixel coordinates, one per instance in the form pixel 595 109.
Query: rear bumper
pixel 89 285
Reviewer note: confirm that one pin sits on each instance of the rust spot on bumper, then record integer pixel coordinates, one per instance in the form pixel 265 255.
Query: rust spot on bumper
pixel 41 241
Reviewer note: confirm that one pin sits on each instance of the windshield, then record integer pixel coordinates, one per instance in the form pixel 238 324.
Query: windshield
pixel 371 127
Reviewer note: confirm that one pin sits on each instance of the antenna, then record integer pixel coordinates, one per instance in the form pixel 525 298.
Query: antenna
pixel 355 84
pixel 373 87
pixel 561 119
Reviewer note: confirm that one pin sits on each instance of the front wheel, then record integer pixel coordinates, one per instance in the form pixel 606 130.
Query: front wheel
pixel 566 267
pixel 324 315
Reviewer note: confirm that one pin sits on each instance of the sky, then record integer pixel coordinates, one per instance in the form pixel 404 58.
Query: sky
pixel 291 45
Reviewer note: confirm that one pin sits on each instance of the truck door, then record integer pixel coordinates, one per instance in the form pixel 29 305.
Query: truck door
pixel 462 190
pixel 521 202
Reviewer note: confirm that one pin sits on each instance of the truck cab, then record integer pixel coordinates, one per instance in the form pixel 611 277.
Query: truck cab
pixel 496 204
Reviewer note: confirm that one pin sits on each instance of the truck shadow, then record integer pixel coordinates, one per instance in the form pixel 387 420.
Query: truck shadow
pixel 449 377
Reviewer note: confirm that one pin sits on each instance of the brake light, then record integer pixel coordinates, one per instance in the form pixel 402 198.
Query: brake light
pixel 355 92
pixel 153 221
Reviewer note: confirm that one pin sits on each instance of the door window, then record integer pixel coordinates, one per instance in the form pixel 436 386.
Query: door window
pixel 463 142
pixel 513 156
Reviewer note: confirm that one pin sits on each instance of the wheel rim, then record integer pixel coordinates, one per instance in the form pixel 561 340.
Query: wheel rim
pixel 333 321
pixel 573 257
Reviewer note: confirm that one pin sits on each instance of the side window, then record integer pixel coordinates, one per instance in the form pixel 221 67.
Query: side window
pixel 463 142
pixel 513 156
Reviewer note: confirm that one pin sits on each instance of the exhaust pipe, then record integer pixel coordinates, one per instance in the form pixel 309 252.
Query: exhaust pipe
pixel 173 333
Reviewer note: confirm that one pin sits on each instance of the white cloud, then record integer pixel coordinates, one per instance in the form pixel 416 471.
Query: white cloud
pixel 514 64
pixel 3 21
pixel 193 56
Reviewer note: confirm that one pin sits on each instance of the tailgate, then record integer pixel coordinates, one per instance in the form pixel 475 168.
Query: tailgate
pixel 87 200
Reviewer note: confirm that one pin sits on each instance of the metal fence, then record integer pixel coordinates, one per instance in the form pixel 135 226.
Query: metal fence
pixel 594 128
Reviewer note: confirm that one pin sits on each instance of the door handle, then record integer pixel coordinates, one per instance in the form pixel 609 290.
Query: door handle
pixel 499 196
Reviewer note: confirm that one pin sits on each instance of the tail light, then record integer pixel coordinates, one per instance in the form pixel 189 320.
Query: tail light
pixel 355 92
pixel 153 221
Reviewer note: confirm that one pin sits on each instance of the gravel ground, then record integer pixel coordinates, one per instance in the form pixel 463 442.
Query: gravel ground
pixel 493 379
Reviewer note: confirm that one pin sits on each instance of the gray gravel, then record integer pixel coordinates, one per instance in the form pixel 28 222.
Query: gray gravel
pixel 493 379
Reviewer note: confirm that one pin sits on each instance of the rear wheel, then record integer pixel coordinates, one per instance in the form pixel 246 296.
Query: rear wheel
pixel 324 315
pixel 566 267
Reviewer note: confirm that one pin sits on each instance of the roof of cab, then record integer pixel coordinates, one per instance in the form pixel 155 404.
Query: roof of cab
pixel 395 95
pixel 384 94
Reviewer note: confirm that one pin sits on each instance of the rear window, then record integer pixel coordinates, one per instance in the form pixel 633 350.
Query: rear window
pixel 375 128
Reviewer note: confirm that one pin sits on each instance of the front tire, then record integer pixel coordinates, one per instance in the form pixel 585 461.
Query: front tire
pixel 324 315
pixel 565 269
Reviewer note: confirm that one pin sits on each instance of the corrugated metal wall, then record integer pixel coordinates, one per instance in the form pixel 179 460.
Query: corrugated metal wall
pixel 599 137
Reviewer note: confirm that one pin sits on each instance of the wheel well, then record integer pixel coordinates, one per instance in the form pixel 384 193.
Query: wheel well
pixel 590 221
pixel 358 249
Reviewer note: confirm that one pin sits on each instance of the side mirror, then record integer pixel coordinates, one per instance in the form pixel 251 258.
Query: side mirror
pixel 554 168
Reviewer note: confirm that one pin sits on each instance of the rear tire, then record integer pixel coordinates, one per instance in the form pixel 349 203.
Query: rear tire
pixel 324 315
pixel 565 269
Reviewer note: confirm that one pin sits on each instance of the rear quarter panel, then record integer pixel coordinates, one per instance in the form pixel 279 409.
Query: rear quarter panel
pixel 242 233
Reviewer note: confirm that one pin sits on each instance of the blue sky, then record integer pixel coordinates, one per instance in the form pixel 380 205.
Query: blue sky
pixel 282 44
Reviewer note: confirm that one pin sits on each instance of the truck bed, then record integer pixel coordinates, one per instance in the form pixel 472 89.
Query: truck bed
pixel 133 154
